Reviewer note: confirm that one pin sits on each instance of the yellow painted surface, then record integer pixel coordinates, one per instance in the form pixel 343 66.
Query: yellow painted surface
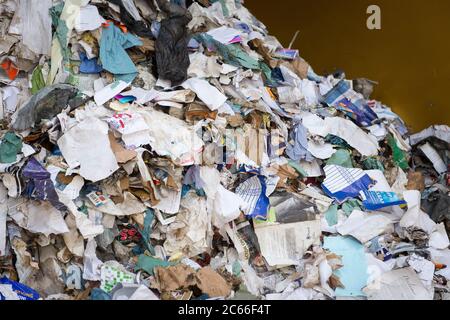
pixel 409 56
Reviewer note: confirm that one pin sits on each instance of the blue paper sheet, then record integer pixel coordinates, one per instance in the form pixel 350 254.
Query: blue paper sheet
pixel 342 183
pixel 353 274
pixel 253 192
pixel 297 149
pixel 358 111
pixel 337 92
pixel 375 200
pixel 24 292
pixel 90 66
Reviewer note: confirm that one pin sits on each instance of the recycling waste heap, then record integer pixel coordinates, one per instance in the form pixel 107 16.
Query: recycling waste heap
pixel 174 150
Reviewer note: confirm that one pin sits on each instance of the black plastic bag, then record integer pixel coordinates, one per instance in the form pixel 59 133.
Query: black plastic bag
pixel 172 57
pixel 140 28
pixel 46 104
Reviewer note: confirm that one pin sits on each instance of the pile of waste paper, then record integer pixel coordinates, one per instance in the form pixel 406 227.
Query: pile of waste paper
pixel 174 150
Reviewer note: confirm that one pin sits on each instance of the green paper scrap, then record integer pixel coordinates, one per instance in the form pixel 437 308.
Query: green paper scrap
pixel 62 33
pixel 149 217
pixel 225 11
pixel 236 268
pixel 55 13
pixel 148 264
pixel 267 74
pixel 83 209
pixel 232 54
pixel 354 274
pixel 398 154
pixel 236 55
pixel 297 168
pixel 244 294
pixel 271 218
pixel 350 205
pixel 332 215
pixel 336 141
pixel 111 276
pixel 341 158
pixel 373 164
pixel 37 80
pixel 73 80
pixel 9 148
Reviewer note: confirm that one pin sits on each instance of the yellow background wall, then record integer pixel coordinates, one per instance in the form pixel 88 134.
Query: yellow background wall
pixel 409 56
